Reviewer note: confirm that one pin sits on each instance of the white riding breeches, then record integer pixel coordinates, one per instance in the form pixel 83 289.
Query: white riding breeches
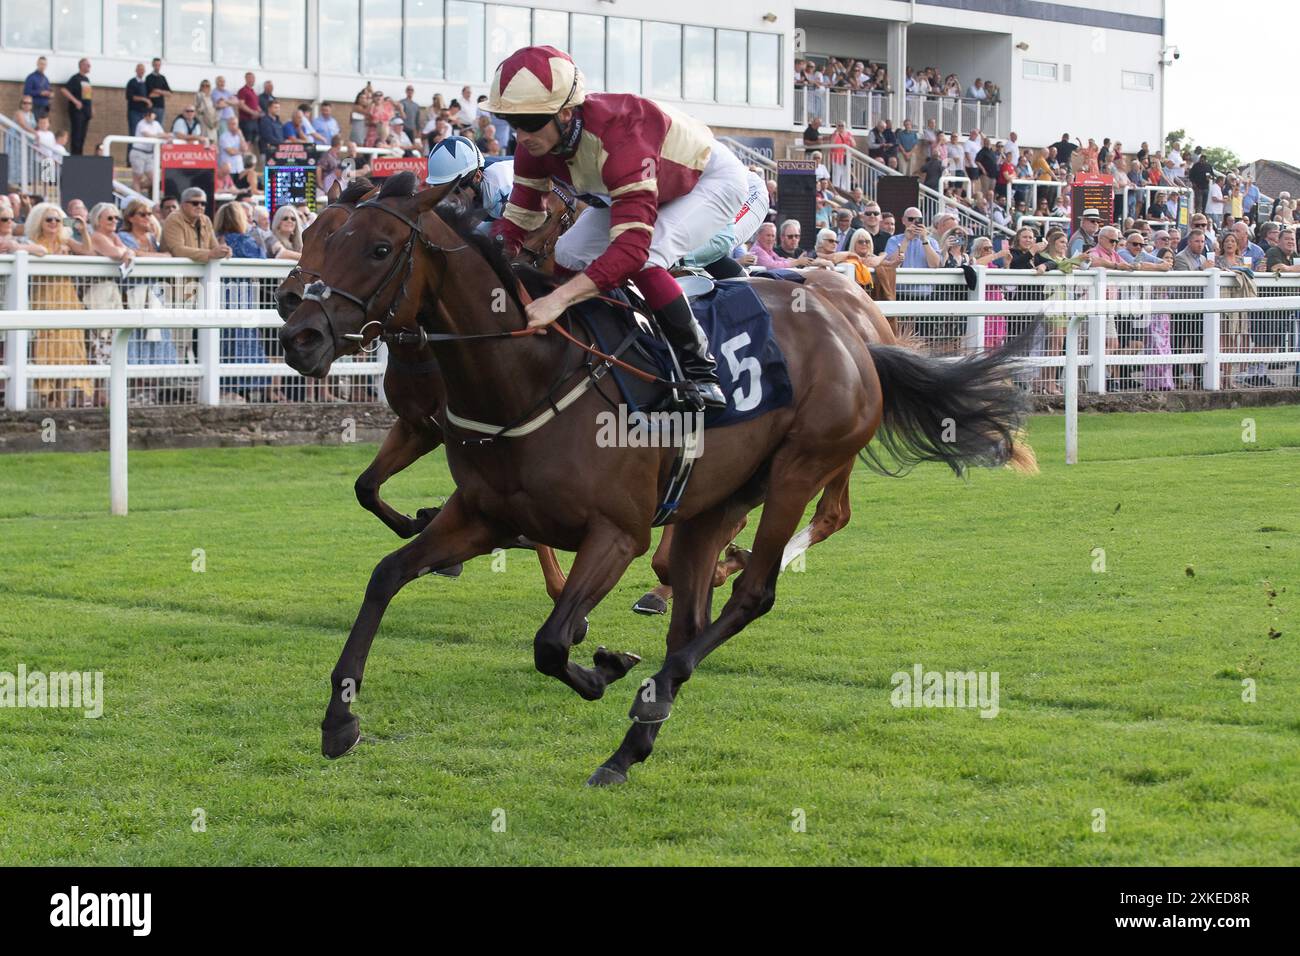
pixel 683 224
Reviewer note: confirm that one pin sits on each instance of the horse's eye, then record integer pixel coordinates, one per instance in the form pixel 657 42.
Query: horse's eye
pixel 382 250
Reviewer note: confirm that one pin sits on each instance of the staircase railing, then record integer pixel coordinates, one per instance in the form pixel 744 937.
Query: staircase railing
pixel 31 168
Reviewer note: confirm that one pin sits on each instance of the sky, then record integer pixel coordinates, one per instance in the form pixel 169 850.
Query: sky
pixel 1215 89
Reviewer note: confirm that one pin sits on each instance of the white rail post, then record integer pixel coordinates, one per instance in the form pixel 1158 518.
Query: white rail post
pixel 975 324
pixel 117 422
pixel 1097 335
pixel 16 341
pixel 1072 389
pixel 209 340
pixel 1210 376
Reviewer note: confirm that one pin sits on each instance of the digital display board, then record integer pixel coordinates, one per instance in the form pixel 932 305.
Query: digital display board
pixel 1090 191
pixel 291 177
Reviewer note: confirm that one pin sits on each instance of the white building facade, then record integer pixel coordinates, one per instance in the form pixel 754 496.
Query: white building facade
pixel 1091 68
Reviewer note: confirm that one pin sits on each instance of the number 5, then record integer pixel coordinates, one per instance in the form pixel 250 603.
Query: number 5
pixel 743 400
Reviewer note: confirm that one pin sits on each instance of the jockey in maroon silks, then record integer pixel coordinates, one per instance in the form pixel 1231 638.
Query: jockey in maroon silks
pixel 667 187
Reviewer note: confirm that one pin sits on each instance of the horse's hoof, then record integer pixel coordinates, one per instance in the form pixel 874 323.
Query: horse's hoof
pixel 606 777
pixel 614 664
pixel 424 517
pixel 341 741
pixel 649 711
pixel 580 632
pixel 650 603
pixel 451 572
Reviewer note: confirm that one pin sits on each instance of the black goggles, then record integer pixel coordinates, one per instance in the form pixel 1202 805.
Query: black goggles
pixel 530 122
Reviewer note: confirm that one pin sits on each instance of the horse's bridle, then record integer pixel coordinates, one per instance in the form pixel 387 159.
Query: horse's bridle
pixel 321 292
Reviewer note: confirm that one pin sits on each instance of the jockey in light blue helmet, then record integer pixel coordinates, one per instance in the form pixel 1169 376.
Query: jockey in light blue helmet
pixel 455 160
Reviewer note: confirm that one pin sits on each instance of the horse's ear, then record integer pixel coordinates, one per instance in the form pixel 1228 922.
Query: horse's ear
pixel 426 199
pixel 334 192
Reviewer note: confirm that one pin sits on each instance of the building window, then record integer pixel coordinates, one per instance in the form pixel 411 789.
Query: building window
pixel 464 42
pixel 27 24
pixel 508 29
pixel 236 40
pixel 551 28
pixel 587 39
pixel 284 34
pixel 623 55
pixel 697 65
pixel 1145 82
pixel 77 26
pixel 381 37
pixel 189 31
pixel 339 38
pixel 1038 70
pixel 424 25
pixel 733 73
pixel 764 69
pixel 139 28
pixel 663 60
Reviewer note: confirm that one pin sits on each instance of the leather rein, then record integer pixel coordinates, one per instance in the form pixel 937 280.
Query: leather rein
pixel 321 292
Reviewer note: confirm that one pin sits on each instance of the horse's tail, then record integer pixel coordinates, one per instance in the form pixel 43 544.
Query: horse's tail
pixel 962 412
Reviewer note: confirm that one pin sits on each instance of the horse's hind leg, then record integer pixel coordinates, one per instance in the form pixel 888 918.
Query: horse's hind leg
pixel 455 535
pixel 754 592
pixel 601 560
pixel 403 444
pixel 694 551
pixel 655 601
pixel 832 514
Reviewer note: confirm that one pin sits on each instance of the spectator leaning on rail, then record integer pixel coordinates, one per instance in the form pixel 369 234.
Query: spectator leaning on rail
pixel 9 242
pixel 186 128
pixel 1193 258
pixel 913 248
pixel 188 232
pixel 1087 237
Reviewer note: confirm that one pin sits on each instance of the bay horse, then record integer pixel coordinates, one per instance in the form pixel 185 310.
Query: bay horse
pixel 426 277
pixel 413 387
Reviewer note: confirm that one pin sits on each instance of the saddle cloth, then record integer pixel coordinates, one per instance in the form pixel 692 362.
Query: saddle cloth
pixel 751 368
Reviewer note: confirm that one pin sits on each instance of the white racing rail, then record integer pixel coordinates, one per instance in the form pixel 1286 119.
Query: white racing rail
pixel 940 308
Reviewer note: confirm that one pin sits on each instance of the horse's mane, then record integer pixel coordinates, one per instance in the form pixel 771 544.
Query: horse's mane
pixel 464 221
pixel 354 190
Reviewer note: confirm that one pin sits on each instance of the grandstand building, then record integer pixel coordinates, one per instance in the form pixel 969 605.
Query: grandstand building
pixel 1093 68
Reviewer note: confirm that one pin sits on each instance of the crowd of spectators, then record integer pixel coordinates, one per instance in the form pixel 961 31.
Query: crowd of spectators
pixel 247 125
pixel 849 75
pixel 175 228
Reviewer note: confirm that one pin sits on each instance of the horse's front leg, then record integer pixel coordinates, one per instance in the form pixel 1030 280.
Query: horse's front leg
pixel 455 535
pixel 602 558
pixel 403 444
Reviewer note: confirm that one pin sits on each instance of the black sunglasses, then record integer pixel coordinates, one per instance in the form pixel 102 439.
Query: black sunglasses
pixel 911 219
pixel 530 122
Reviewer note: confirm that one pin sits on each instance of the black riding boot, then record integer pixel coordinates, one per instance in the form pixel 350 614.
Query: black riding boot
pixel 688 341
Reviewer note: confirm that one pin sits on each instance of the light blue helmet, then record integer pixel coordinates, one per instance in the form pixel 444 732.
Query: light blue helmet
pixel 453 158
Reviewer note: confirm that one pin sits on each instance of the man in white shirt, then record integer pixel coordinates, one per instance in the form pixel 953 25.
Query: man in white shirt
pixel 970 148
pixel 1214 204
pixel 1174 162
pixel 1012 148
pixel 468 108
pixel 142 156
pixel 976 91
